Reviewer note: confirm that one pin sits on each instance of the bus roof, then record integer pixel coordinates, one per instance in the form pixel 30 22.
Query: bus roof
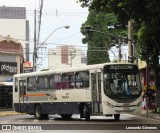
pixel 70 69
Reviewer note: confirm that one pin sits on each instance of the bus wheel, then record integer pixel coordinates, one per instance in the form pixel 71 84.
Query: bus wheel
pixel 86 113
pixel 38 112
pixel 116 116
pixel 66 116
pixel 45 116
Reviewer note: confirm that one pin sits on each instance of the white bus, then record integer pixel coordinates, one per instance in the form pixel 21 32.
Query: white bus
pixel 101 89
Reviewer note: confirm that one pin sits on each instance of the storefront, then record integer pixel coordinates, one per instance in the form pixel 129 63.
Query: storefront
pixel 6 94
pixel 7 70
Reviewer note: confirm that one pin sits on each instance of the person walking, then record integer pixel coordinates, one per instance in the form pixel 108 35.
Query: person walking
pixel 150 96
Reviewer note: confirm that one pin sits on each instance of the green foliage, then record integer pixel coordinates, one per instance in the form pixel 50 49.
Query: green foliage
pixel 96 56
pixel 145 12
pixel 141 11
pixel 148 48
pixel 106 23
pixel 98 44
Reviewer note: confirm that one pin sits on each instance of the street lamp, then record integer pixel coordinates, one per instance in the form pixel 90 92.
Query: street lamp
pixel 66 27
pixel 36 49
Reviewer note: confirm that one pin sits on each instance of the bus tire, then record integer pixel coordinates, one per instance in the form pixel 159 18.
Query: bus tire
pixel 116 116
pixel 44 116
pixel 86 113
pixel 38 112
pixel 66 116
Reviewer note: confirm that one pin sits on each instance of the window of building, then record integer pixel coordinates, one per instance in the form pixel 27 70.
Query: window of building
pixel 84 60
pixel 82 79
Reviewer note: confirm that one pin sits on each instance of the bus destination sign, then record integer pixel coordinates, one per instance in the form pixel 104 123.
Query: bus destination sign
pixel 120 67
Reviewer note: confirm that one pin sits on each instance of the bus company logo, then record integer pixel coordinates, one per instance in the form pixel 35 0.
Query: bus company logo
pixel 6 127
pixel 21 127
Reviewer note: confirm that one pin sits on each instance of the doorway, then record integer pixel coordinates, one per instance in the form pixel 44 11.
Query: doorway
pixel 6 96
pixel 96 92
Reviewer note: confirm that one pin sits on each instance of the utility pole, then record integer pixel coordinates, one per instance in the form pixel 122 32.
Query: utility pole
pixel 119 52
pixel 35 49
pixel 72 54
pixel 130 46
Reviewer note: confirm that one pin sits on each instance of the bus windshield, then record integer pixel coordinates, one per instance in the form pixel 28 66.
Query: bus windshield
pixel 121 83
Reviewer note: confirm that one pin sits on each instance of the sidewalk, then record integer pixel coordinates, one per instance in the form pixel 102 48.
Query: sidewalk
pixel 150 114
pixel 6 112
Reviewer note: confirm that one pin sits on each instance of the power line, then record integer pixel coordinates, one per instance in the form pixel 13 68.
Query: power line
pixel 58 13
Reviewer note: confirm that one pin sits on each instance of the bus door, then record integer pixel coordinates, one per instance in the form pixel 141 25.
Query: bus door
pixel 22 93
pixel 96 92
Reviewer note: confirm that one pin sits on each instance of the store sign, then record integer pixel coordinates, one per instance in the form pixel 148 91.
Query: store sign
pixel 27 69
pixel 27 64
pixel 8 67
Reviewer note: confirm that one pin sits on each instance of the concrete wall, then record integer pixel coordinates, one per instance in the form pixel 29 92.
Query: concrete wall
pixel 64 56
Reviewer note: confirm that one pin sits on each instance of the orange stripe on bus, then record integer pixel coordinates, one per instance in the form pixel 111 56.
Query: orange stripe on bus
pixel 33 95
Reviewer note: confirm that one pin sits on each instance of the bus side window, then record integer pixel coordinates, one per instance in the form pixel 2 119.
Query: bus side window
pixel 31 84
pixel 82 79
pixel 67 80
pixel 55 81
pixel 51 82
pixel 43 82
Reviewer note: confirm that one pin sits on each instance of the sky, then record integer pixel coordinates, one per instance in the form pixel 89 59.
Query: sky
pixel 55 14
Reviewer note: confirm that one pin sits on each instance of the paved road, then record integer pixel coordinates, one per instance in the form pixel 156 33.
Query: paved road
pixel 55 123
pixel 56 119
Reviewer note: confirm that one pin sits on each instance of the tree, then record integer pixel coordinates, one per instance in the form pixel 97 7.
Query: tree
pixel 98 44
pixel 109 30
pixel 147 48
pixel 148 41
pixel 145 12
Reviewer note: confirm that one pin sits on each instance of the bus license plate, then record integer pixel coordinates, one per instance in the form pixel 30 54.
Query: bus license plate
pixel 126 108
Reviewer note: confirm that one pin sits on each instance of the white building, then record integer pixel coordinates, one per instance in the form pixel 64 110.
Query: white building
pixel 65 56
pixel 13 23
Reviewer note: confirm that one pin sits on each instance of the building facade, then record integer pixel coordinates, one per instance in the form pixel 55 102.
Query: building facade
pixel 11 62
pixel 13 22
pixel 65 56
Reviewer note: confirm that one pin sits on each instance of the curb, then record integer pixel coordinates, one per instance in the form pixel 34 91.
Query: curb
pixel 143 114
pixel 150 115
pixel 7 113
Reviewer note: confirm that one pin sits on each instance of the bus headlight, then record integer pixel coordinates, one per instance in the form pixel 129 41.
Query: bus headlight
pixel 109 104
